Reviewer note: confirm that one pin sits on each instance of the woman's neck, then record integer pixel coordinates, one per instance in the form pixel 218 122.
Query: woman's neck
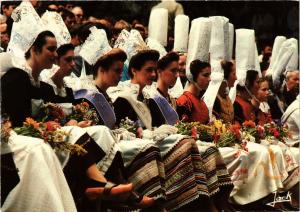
pixel 222 90
pixel 35 69
pixel 100 83
pixel 141 87
pixel 244 95
pixel 194 89
pixel 163 88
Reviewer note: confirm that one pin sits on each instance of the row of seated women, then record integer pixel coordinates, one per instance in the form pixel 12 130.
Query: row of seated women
pixel 169 170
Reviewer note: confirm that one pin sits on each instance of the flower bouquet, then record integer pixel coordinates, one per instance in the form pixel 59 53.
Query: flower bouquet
pixel 50 133
pixel 276 131
pixel 252 132
pixel 129 125
pixel 229 136
pixel 51 112
pixel 83 112
pixel 196 130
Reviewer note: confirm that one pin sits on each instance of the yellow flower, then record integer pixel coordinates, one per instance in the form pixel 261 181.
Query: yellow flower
pixel 218 124
pixel 224 128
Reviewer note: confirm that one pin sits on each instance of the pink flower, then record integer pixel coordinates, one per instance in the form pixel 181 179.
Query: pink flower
pixel 51 125
pixel 184 118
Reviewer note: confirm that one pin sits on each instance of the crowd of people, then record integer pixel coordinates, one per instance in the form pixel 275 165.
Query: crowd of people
pixel 134 87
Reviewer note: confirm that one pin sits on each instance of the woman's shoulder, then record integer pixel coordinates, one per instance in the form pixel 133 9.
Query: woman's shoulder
pixel 184 100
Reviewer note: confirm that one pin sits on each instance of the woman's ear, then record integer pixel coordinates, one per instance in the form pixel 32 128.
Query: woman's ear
pixel 133 70
pixel 33 50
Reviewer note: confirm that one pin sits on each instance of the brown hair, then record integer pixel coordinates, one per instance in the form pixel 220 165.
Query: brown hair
pixel 108 59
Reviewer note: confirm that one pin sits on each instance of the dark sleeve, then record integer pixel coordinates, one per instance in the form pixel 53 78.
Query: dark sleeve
pixel 274 108
pixel 16 96
pixel 156 115
pixel 123 109
pixel 217 108
pixel 238 113
pixel 48 94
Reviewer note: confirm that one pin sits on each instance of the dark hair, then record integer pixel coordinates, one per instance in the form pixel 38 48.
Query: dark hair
pixel 6 4
pixel 39 42
pixel 196 68
pixel 167 59
pixel 250 79
pixel 66 14
pixel 227 68
pixel 63 49
pixel 75 30
pixel 138 60
pixel 108 59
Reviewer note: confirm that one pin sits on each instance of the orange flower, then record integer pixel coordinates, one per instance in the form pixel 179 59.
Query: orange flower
pixel 32 122
pixel 249 124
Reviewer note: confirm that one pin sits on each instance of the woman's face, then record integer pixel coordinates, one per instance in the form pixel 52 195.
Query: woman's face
pixel 170 74
pixel 255 87
pixel 114 74
pixel 146 74
pixel 263 91
pixel 47 56
pixel 203 78
pixel 232 77
pixel 67 63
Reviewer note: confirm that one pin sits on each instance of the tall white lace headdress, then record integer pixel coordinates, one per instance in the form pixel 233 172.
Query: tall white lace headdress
pixel 181 33
pixel 246 57
pixel 95 45
pixel 26 27
pixel 287 49
pixel 275 51
pixel 293 63
pixel 198 46
pixel 54 23
pixel 219 50
pixel 158 25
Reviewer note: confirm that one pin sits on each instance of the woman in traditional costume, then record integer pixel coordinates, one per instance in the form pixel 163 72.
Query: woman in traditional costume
pixel 24 83
pixel 223 107
pixel 190 106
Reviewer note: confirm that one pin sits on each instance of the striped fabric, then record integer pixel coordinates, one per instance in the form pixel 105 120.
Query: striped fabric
pixel 216 172
pixel 185 178
pixel 146 172
pixel 174 170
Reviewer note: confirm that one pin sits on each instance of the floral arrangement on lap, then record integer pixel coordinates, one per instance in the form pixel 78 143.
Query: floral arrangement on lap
pixel 270 132
pixel 83 112
pixel 50 132
pixel 48 122
pixel 228 135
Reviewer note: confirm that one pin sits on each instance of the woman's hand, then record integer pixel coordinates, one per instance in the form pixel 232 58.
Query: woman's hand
pixel 139 132
pixel 72 122
pixel 83 124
